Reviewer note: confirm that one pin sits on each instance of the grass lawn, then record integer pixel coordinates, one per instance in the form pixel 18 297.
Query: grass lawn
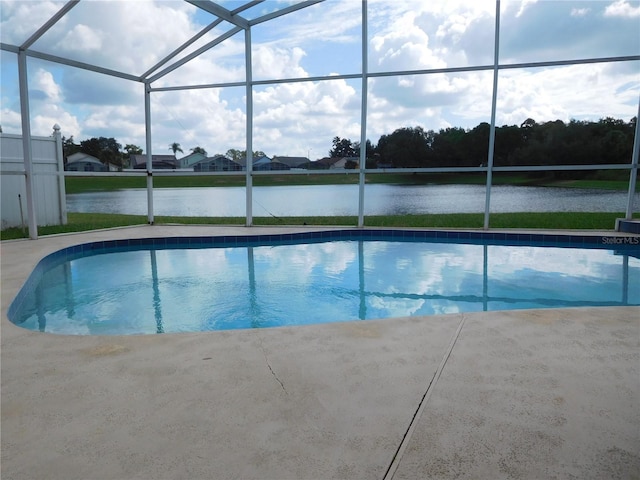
pixel 79 222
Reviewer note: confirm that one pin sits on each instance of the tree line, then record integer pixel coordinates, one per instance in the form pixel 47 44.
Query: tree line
pixel 607 141
pixel 107 150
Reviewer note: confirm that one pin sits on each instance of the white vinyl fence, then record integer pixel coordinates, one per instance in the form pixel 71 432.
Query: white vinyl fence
pixel 48 175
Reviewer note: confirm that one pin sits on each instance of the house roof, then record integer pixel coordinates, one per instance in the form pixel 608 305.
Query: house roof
pixel 192 159
pixel 256 160
pixel 141 159
pixel 292 161
pixel 87 159
pixel 217 158
pixel 328 161
pixel 81 156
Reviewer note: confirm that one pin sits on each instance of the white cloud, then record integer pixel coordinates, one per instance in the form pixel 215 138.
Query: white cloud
pixel 42 123
pixel 20 19
pixel 211 67
pixel 334 22
pixel 126 36
pixel 83 39
pixel 10 121
pixel 291 118
pixel 272 62
pixel 405 46
pixel 523 6
pixel 196 118
pixel 578 91
pixel 621 8
pixel 580 12
pixel 43 82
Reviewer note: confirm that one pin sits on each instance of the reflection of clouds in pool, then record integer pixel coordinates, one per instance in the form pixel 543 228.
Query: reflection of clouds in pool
pixel 396 307
pixel 433 269
pixel 246 287
pixel 298 262
pixel 550 260
pixel 215 259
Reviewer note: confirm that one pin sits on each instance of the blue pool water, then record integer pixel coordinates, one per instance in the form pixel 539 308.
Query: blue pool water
pixel 199 284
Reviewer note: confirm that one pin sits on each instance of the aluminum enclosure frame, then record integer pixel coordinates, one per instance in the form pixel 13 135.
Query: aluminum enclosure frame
pixel 164 66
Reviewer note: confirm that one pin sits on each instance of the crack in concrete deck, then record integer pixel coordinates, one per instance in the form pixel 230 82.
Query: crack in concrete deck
pixel 395 462
pixel 266 359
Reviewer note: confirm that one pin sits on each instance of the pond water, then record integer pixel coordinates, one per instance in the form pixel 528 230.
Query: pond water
pixel 334 200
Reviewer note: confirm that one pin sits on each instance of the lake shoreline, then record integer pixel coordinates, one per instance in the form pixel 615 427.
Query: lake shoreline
pixel 78 184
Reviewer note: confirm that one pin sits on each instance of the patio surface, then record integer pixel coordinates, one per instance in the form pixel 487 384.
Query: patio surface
pixel 527 394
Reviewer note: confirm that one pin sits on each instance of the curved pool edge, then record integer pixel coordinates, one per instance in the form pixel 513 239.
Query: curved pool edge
pixel 21 259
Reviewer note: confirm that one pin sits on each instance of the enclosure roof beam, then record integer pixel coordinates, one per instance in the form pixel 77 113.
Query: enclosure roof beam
pixel 395 73
pixel 182 47
pixel 196 37
pixel 7 47
pixel 221 12
pixel 72 63
pixel 195 54
pixel 284 11
pixel 50 23
pixel 246 6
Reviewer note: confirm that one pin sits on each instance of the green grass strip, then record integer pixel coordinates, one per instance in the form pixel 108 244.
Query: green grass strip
pixel 81 222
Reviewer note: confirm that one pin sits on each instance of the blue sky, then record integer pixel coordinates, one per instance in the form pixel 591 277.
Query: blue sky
pixel 300 119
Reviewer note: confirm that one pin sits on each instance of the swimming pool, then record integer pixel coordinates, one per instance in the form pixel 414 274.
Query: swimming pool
pixel 162 285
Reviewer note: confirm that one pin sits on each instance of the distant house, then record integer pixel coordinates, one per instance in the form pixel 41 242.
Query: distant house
pixel 263 163
pixel 159 162
pixel 324 163
pixel 256 161
pixel 83 162
pixel 344 161
pixel 292 162
pixel 190 160
pixel 219 163
pixel 272 165
pixel 267 164
pixel 335 163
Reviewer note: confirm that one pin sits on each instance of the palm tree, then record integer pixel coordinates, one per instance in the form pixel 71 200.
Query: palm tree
pixel 199 150
pixel 175 147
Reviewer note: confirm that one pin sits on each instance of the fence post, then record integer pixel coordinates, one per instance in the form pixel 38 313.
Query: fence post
pixel 26 144
pixel 62 192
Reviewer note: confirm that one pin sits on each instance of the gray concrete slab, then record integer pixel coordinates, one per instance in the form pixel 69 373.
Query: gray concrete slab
pixel 535 394
pixel 311 402
pixel 525 394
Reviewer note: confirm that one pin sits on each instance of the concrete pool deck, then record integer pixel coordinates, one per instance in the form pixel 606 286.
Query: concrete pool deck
pixel 527 394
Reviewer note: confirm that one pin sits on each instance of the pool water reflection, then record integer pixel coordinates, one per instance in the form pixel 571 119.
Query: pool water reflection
pixel 219 288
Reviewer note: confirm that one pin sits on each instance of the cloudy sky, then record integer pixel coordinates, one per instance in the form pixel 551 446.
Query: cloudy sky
pixel 300 119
